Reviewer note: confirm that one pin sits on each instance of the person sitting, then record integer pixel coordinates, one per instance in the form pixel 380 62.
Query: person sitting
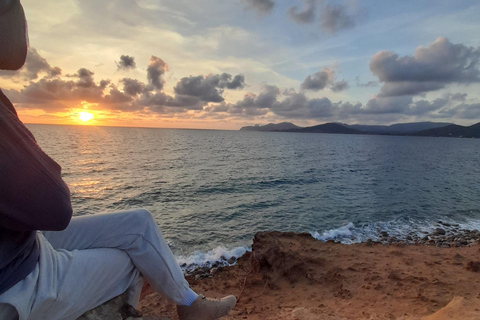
pixel 73 264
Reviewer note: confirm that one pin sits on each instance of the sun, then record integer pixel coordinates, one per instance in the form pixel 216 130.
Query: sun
pixel 85 116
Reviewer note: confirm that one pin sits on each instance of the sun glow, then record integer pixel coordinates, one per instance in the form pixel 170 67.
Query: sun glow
pixel 85 116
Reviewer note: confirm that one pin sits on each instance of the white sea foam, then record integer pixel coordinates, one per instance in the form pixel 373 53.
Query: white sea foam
pixel 470 224
pixel 400 229
pixel 347 234
pixel 220 255
pixel 334 234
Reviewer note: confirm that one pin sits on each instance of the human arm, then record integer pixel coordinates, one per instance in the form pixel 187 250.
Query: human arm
pixel 33 195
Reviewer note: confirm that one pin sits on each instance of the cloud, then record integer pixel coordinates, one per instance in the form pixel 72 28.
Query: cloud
pixel 465 111
pixel 298 106
pixel 251 105
pixel 265 99
pixel 238 81
pixel 126 63
pixel 160 102
pixel 317 81
pixel 323 79
pixel 430 68
pixel 34 65
pixel 305 16
pixel 54 94
pixel 209 88
pixel 456 96
pixel 203 94
pixel 339 86
pixel 155 70
pixel 368 84
pixel 133 87
pixel 334 18
pixel 261 6
pixel 287 104
pixel 42 93
pixel 405 105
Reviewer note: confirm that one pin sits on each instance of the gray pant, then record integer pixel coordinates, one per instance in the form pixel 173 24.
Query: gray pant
pixel 96 258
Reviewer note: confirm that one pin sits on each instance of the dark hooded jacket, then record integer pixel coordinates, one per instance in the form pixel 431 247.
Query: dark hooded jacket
pixel 33 197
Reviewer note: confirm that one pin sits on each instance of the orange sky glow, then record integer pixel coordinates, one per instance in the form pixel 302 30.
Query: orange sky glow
pixel 148 64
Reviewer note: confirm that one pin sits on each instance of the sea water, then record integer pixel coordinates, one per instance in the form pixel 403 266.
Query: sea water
pixel 211 191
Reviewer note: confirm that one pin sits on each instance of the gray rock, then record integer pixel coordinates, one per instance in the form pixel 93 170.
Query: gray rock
pixel 439 231
pixel 114 309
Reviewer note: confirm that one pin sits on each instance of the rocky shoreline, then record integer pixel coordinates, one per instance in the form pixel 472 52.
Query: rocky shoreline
pixel 445 235
pixel 288 276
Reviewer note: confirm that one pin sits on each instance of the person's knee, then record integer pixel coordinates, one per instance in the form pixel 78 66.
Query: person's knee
pixel 142 215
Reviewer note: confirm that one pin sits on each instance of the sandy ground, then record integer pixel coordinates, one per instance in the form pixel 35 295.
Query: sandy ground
pixel 294 276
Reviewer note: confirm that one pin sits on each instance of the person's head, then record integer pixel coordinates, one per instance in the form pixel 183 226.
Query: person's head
pixel 13 35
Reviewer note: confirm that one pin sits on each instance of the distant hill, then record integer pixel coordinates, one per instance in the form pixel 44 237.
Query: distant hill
pixel 271 127
pixel 429 129
pixel 399 127
pixel 452 131
pixel 328 128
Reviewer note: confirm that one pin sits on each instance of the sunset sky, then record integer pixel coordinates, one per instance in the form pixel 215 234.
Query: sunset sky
pixel 226 64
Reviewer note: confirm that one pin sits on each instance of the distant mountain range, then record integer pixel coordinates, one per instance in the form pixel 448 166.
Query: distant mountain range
pixel 430 129
pixel 399 127
pixel 271 127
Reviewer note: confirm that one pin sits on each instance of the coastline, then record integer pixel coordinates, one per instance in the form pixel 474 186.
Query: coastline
pixel 295 276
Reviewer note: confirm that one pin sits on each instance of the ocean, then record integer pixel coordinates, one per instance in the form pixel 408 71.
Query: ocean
pixel 211 191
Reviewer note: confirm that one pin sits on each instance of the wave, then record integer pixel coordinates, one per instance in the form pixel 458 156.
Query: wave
pixel 220 256
pixel 400 229
pixel 334 234
pixel 346 234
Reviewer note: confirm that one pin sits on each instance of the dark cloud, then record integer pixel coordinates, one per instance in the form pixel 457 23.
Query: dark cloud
pixel 205 93
pixel 44 93
pixel 238 81
pixel 126 63
pixel 339 86
pixel 456 96
pixel 298 106
pixel 116 97
pixel 34 65
pixel 162 103
pixel 393 89
pixel 133 87
pixel 294 105
pixel 388 105
pixel 209 88
pixel 317 81
pixel 323 79
pixel 334 18
pixel 331 16
pixel 85 77
pixel 404 105
pixel 305 16
pixel 368 84
pixel 155 70
pixel 430 68
pixel 261 6
pixel 265 100
pixel 465 111
pixel 55 94
pixel 251 105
